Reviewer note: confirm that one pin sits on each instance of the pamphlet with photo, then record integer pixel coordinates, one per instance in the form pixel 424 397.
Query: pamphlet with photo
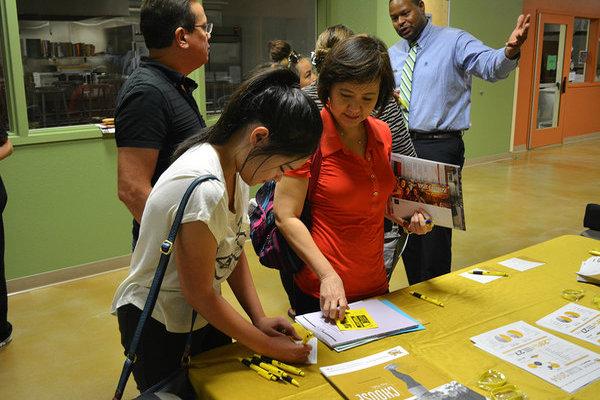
pixel 428 185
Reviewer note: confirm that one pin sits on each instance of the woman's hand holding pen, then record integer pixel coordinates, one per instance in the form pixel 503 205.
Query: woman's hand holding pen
pixel 277 326
pixel 333 297
pixel 420 223
pixel 283 349
pixel 282 346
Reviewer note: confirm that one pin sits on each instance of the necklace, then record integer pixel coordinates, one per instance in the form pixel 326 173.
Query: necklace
pixel 359 141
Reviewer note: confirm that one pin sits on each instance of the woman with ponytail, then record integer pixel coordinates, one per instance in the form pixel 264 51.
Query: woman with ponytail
pixel 281 54
pixel 268 127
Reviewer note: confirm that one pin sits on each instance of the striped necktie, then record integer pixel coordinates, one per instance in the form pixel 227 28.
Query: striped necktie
pixel 406 79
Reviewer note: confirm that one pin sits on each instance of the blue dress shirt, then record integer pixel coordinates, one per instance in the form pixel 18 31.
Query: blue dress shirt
pixel 447 58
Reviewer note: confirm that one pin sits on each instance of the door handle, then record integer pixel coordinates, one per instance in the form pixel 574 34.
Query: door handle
pixel 563 85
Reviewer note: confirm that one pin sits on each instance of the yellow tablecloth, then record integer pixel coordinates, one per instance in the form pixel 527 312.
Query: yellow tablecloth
pixel 470 308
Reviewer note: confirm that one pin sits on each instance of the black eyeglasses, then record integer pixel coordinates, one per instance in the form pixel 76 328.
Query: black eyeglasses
pixel 207 28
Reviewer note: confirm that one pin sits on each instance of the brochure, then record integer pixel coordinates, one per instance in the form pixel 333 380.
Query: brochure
pixel 590 271
pixel 575 320
pixel 563 364
pixel 393 374
pixel 389 320
pixel 432 186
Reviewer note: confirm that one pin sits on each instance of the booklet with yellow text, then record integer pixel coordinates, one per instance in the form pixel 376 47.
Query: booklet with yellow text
pixel 394 374
pixel 388 320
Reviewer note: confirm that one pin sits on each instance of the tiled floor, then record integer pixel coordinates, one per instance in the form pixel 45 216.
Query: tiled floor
pixel 66 345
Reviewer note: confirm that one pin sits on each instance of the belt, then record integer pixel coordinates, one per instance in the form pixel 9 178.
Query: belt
pixel 414 135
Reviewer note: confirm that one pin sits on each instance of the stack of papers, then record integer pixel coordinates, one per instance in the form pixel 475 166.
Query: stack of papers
pixel 590 271
pixel 390 320
pixel 561 363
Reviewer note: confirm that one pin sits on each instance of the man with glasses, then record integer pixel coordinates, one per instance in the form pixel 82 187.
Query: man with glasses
pixel 155 108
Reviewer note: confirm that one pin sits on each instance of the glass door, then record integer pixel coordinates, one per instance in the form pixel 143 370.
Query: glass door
pixel 551 72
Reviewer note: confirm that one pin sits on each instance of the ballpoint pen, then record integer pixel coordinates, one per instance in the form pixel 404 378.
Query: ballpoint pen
pixel 429 299
pixel 307 337
pixel 265 374
pixel 493 273
pixel 275 371
pixel 287 368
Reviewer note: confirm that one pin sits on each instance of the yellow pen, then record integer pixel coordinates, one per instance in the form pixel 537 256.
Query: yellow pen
pixel 429 299
pixel 275 371
pixel 307 337
pixel 595 252
pixel 265 374
pixel 493 273
pixel 287 368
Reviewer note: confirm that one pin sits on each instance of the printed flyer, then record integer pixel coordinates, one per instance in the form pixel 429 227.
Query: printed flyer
pixel 432 186
pixel 564 364
pixel 575 320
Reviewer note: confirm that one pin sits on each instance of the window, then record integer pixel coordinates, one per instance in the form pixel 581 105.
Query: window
pixel 76 56
pixel 579 50
pixel 3 105
pixel 239 41
pixel 597 78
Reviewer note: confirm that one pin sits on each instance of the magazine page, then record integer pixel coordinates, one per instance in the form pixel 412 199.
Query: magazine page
pixel 393 374
pixel 388 321
pixel 575 320
pixel 563 364
pixel 432 186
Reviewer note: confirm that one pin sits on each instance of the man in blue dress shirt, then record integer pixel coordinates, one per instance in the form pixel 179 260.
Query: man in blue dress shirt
pixel 433 67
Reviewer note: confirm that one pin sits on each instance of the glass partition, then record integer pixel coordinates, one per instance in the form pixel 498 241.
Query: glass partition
pixel 74 65
pixel 579 50
pixel 239 42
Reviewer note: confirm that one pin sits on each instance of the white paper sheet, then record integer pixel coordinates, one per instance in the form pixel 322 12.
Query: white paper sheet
pixel 519 264
pixel 480 278
pixel 575 320
pixel 564 364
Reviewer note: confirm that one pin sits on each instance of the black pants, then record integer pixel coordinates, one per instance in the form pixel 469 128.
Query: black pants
pixel 159 351
pixel 304 303
pixel 430 255
pixel 287 280
pixel 4 326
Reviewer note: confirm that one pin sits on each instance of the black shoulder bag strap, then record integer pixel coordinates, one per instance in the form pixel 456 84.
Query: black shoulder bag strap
pixel 166 249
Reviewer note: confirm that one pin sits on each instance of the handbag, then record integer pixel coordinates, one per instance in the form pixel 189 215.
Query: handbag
pixel 269 244
pixel 176 385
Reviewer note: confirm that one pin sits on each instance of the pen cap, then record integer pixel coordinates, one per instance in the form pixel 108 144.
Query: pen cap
pixel 245 361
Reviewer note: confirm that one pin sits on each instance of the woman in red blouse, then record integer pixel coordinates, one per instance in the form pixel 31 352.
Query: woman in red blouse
pixel 343 249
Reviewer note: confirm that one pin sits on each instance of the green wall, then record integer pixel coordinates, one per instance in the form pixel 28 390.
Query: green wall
pixel 492 103
pixel 62 207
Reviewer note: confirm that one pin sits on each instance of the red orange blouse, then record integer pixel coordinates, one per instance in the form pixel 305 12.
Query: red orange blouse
pixel 348 207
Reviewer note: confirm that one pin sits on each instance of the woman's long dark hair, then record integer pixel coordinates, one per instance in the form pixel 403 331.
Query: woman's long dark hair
pixel 272 98
pixel 360 59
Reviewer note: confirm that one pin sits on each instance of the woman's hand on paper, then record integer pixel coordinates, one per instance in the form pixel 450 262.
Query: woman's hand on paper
pixel 333 297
